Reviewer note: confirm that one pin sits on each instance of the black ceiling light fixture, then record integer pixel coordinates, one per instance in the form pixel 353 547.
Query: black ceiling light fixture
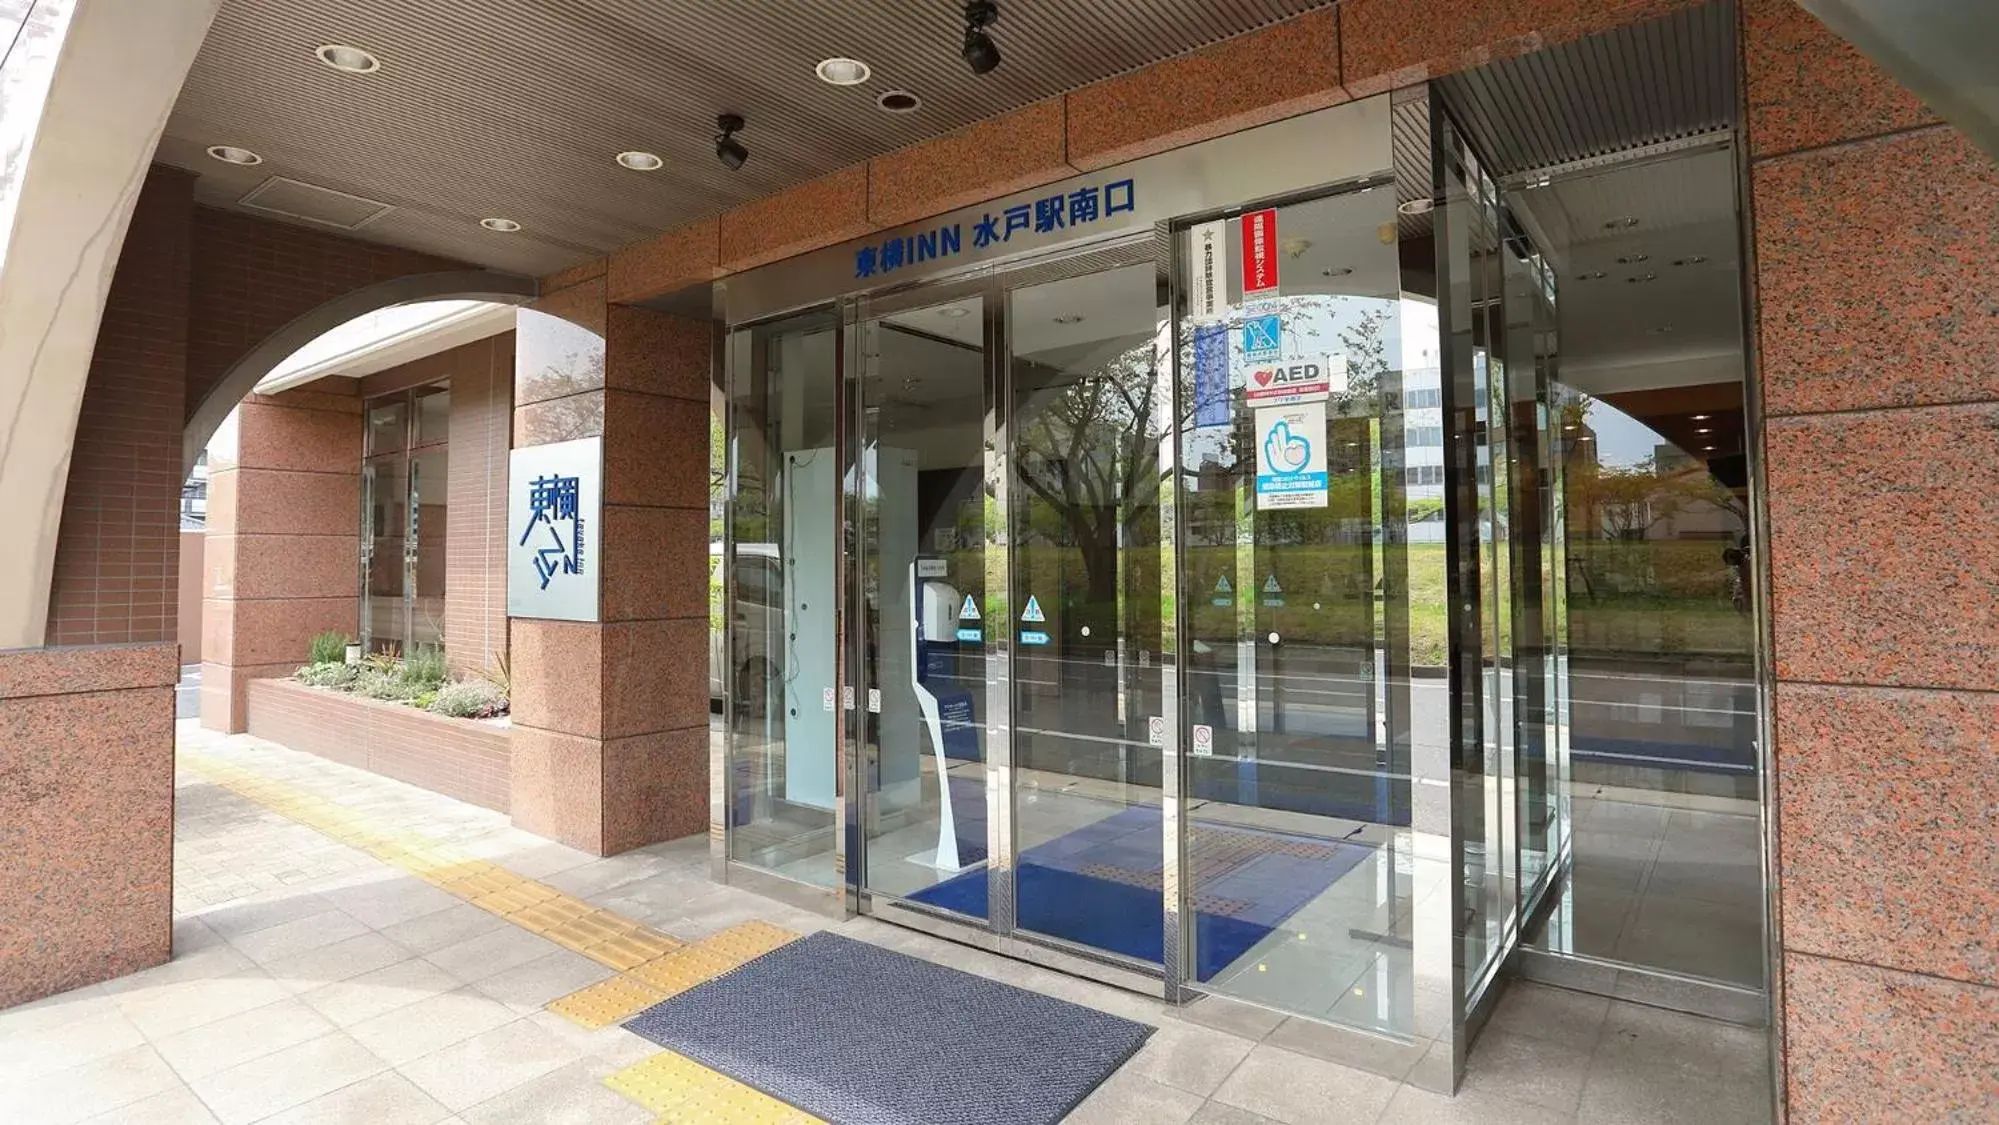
pixel 730 151
pixel 980 52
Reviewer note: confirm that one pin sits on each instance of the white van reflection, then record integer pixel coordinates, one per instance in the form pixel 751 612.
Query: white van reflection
pixel 757 615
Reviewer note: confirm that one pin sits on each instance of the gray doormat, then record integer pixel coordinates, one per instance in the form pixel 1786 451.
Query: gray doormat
pixel 861 1035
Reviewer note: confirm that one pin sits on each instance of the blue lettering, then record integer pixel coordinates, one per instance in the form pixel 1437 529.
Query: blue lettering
pixel 1120 196
pixel 1083 206
pixel 1048 214
pixel 892 255
pixel 985 233
pixel 866 261
pixel 926 246
pixel 949 242
pixel 1020 218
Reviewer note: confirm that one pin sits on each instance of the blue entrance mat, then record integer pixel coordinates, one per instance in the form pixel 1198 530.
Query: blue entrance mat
pixel 861 1035
pixel 1100 886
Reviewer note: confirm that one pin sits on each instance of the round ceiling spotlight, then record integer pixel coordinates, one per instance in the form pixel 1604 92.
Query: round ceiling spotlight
pixel 980 52
pixel 1640 279
pixel 641 161
pixel 352 60
pixel 731 152
pixel 842 72
pixel 953 311
pixel 504 226
pixel 898 101
pixel 1633 259
pixel 1337 271
pixel 1592 275
pixel 1623 223
pixel 1416 207
pixel 1690 260
pixel 230 154
pixel 1072 318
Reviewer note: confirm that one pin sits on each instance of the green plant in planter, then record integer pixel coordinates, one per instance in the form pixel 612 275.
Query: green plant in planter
pixel 424 667
pixel 374 683
pixel 469 699
pixel 325 675
pixel 329 647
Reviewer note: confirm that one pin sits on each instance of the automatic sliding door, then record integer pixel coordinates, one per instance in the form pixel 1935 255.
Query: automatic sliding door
pixel 918 656
pixel 1085 425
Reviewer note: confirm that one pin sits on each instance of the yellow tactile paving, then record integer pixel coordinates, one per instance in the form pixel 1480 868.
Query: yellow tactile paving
pixel 749 940
pixel 684 968
pixel 629 951
pixel 606 1002
pixel 515 899
pixel 682 1090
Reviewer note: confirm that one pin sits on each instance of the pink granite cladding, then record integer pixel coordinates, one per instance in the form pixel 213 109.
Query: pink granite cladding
pixel 1807 87
pixel 1889 816
pixel 656 451
pixel 820 213
pixel 559 419
pixel 287 437
pixel 559 344
pixel 1875 274
pixel 655 789
pixel 557 676
pixel 272 631
pixel 273 566
pixel 461 758
pixel 557 787
pixel 576 275
pixel 1278 72
pixel 324 395
pixel 655 676
pixel 1389 43
pixel 991 158
pixel 1885 547
pixel 279 502
pixel 653 353
pixel 86 668
pixel 689 255
pixel 1869 1044
pixel 86 820
pixel 636 582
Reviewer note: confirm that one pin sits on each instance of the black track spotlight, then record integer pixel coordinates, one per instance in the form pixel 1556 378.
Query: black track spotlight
pixel 981 53
pixel 730 151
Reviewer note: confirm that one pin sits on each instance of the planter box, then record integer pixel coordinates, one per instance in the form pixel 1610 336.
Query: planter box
pixel 464 758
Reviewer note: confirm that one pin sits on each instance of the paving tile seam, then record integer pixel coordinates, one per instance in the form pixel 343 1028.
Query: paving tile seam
pixel 650 966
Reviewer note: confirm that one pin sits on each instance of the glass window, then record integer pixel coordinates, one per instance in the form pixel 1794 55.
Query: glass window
pixel 405 493
pixel 433 417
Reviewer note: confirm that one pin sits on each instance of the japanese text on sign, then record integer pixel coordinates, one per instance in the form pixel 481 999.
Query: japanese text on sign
pixel 1050 213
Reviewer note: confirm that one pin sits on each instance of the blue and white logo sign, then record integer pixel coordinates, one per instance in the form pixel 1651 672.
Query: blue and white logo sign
pixel 554 496
pixel 1262 338
pixel 1291 456
pixel 1050 214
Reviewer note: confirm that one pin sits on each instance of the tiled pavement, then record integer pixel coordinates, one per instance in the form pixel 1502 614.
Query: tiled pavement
pixel 314 981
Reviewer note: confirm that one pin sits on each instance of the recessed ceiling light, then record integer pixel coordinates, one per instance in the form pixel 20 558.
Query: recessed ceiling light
pixel 1707 449
pixel 1337 271
pixel 1633 259
pixel 230 154
pixel 1621 223
pixel 1659 330
pixel 843 72
pixel 1704 430
pixel 953 311
pixel 1592 275
pixel 1416 207
pixel 504 226
pixel 1643 277
pixel 353 60
pixel 1690 260
pixel 1072 318
pixel 898 101
pixel 1570 428
pixel 1295 247
pixel 641 161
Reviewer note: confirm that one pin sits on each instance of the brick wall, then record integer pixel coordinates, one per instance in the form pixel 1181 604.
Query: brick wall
pixel 459 758
pixel 117 555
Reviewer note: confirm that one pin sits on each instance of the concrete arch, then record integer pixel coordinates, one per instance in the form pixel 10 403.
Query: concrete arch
pixel 249 369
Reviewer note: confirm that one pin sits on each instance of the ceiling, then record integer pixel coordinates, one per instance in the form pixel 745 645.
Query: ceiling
pixel 516 108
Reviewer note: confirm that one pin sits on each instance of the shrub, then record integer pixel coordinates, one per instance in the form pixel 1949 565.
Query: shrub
pixel 469 699
pixel 424 667
pixel 377 684
pixel 329 648
pixel 326 675
pixel 385 661
pixel 501 675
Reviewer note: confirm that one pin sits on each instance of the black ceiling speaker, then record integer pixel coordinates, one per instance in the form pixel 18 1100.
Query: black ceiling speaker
pixel 730 151
pixel 981 53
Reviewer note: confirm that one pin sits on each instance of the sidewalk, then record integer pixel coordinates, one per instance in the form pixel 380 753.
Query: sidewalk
pixel 352 949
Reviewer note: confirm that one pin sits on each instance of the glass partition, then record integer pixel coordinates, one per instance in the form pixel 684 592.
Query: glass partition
pixel 775 648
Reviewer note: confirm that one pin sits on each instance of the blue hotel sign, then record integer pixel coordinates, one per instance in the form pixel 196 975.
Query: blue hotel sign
pixel 1062 211
pixel 554 500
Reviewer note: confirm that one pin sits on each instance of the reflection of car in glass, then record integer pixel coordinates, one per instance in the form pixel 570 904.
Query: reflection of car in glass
pixel 757 616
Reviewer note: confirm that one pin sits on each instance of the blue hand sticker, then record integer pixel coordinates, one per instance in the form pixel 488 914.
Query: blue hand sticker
pixel 1284 451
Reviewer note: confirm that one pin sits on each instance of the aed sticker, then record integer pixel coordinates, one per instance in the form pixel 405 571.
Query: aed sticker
pixel 1291 456
pixel 1272 384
